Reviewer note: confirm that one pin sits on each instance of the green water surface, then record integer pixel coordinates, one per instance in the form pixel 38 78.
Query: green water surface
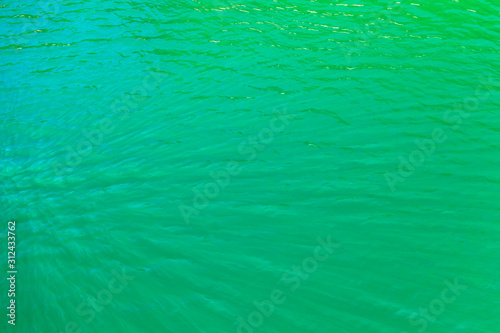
pixel 251 166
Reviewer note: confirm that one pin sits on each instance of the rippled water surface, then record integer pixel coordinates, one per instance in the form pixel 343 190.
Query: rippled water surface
pixel 263 166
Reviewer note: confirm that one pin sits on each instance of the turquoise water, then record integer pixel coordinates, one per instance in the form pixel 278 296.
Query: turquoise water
pixel 213 166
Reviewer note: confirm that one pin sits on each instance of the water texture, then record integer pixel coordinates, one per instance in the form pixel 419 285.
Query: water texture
pixel 251 166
